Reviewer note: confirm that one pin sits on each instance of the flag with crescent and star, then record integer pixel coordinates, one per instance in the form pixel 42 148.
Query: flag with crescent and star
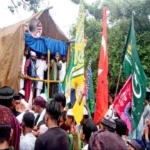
pixel 102 87
pixel 132 65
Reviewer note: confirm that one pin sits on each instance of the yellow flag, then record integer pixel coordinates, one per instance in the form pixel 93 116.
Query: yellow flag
pixel 78 73
pixel 78 111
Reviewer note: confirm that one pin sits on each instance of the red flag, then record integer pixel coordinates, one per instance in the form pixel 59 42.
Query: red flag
pixel 122 103
pixel 102 87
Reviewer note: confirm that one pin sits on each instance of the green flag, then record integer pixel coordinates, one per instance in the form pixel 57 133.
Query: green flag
pixel 132 65
pixel 90 95
pixel 68 79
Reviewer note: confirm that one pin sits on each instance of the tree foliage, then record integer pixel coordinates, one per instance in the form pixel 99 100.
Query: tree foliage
pixel 119 19
pixel 29 5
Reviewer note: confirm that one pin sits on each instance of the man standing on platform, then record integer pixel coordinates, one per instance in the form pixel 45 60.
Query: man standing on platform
pixel 62 72
pixel 30 71
pixel 26 53
pixel 54 75
pixel 41 67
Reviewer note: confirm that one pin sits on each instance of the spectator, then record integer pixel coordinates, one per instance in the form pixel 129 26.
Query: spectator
pixel 62 120
pixel 16 105
pixel 39 107
pixel 61 99
pixel 27 141
pixel 85 116
pixel 88 128
pixel 134 145
pixel 107 124
pixel 106 140
pixel 121 127
pixel 5 128
pixel 55 138
pixel 6 97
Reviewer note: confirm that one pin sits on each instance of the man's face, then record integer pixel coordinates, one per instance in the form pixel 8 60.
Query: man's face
pixel 42 57
pixel 26 52
pixel 64 59
pixel 57 56
pixel 36 108
pixel 33 58
pixel 16 103
pixel 68 121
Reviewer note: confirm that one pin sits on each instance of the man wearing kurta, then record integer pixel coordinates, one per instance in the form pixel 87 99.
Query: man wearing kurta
pixel 41 67
pixel 54 74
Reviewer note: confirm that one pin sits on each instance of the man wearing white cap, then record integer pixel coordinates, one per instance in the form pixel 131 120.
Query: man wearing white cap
pixel 30 71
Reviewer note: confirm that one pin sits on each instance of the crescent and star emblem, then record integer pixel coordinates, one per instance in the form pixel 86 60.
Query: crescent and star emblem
pixel 135 82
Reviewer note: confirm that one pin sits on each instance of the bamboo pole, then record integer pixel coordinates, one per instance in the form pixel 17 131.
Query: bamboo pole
pixel 37 79
pixel 48 74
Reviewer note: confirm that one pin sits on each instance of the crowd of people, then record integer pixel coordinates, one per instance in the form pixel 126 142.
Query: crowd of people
pixel 52 126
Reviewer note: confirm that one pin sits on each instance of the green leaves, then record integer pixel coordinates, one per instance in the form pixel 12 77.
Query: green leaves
pixel 119 17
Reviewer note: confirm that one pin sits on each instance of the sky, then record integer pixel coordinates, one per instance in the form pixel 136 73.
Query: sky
pixel 64 13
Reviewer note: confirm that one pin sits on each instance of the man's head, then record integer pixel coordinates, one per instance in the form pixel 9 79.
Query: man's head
pixel 57 56
pixel 62 120
pixel 121 127
pixel 39 104
pixel 26 51
pixel 33 55
pixel 108 124
pixel 69 118
pixel 6 96
pixel 52 113
pixel 85 116
pixel 28 120
pixel 42 56
pixel 16 101
pixel 22 94
pixel 87 129
pixel 61 99
pixel 5 127
pixel 147 97
pixel 64 59
pixel 111 99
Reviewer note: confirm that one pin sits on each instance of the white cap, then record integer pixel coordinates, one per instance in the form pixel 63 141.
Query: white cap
pixel 22 92
pixel 85 112
pixel 33 53
pixel 43 96
pixel 70 112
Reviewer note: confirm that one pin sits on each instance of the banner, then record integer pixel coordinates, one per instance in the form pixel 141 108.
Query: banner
pixel 122 103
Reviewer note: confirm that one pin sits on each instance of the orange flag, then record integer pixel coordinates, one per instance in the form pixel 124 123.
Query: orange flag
pixel 102 87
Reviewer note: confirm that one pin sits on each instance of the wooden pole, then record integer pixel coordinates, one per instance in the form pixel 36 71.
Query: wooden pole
pixel 118 81
pixel 48 73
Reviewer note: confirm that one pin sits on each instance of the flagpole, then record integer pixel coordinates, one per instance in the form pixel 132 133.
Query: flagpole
pixel 118 81
pixel 48 73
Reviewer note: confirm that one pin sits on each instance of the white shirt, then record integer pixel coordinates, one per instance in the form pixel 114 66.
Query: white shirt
pixel 85 147
pixel 42 115
pixel 27 142
pixel 41 67
pixel 62 72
